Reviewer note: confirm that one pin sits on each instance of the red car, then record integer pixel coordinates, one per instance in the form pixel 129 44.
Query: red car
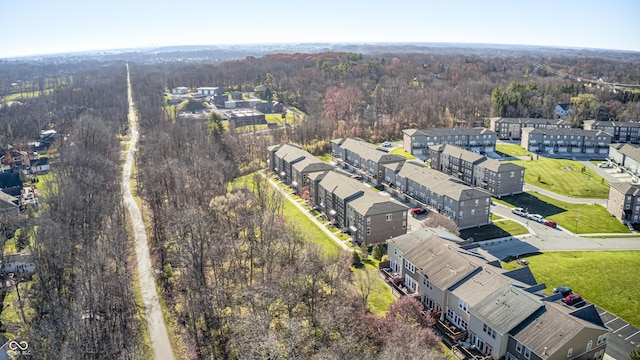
pixel 418 211
pixel 550 223
pixel 572 299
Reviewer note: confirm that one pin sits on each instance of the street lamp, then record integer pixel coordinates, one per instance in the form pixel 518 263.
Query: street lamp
pixel 577 226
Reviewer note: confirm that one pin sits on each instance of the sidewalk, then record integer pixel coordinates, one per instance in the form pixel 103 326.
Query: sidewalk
pixel 306 212
pixel 567 199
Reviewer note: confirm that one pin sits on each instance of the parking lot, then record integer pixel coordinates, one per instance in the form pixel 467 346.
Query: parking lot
pixel 624 337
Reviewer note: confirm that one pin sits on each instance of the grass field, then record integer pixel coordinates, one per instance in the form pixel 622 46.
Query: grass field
pixel 564 177
pixel 492 231
pixel 380 297
pixel 325 157
pixel 401 152
pixel 591 218
pixel 608 279
pixel 511 150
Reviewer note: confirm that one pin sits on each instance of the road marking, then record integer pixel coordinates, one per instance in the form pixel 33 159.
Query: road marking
pixel 625 325
pixel 636 333
pixel 614 319
pixel 604 312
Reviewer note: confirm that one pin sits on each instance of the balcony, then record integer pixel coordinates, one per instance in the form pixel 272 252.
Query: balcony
pixel 466 351
pixel 451 331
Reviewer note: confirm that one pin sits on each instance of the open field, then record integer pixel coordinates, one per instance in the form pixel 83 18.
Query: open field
pixel 401 152
pixel 492 231
pixel 380 297
pixel 608 279
pixel 511 150
pixel 564 177
pixel 591 218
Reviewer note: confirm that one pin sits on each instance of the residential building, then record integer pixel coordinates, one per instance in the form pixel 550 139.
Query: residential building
pixel 621 131
pixel 370 217
pixel 478 139
pixel 17 263
pixel 627 156
pixel 293 165
pixel 180 90
pixel 366 158
pixel 563 110
pixel 209 91
pixel 244 117
pixel 39 165
pixel 466 206
pixel 487 311
pixel 499 178
pixel 566 141
pixel 9 211
pixel 511 128
pixel 559 332
pixel 624 201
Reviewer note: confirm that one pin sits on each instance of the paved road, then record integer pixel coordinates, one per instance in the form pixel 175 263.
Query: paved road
pixel 155 322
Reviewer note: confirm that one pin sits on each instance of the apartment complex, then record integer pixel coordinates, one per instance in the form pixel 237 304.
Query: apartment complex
pixel 370 217
pixel 624 201
pixel 626 156
pixel 364 157
pixel 479 140
pixel 499 178
pixel 466 206
pixel 293 165
pixel 494 312
pixel 572 141
pixel 511 128
pixel 621 131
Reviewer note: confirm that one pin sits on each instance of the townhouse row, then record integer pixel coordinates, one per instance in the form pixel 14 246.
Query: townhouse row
pixel 511 128
pixel 572 141
pixel 498 178
pixel 347 203
pixel 499 313
pixel 478 140
pixel 466 206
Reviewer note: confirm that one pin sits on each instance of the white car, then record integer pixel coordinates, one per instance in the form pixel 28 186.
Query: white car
pixel 536 217
pixel 520 212
pixel 605 164
pixel 386 144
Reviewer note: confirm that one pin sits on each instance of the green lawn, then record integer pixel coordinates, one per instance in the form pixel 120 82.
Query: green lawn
pixel 564 177
pixel 401 152
pixel 608 279
pixel 492 231
pixel 380 297
pixel 325 157
pixel 591 218
pixel 511 150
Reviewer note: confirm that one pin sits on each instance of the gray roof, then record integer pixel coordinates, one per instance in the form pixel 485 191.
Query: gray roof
pixel 530 121
pixel 441 183
pixel 291 153
pixel 480 285
pixel 601 124
pixel 458 152
pixel 341 185
pixel 626 188
pixel 312 164
pixel 437 259
pixel 370 151
pixel 499 166
pixel 505 308
pixel 449 131
pixel 373 204
pixel 552 329
pixel 629 150
pixel 7 201
pixel 562 131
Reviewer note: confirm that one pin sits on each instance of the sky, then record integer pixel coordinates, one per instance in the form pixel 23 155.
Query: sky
pixel 37 27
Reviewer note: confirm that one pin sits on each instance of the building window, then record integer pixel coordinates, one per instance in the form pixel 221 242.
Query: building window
pixel 410 283
pixel 409 266
pixel 368 220
pixel 463 305
pixel 589 345
pixel 389 217
pixel 519 346
pixel 395 251
pixel 602 338
pixel 570 352
pixel 527 353
pixel 368 231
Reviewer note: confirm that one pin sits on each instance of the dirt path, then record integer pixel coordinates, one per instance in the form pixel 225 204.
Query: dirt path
pixel 155 322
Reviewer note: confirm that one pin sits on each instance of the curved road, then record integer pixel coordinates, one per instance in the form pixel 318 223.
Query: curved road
pixel 155 322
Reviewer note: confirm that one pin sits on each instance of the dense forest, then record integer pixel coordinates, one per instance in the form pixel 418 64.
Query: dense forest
pixel 237 278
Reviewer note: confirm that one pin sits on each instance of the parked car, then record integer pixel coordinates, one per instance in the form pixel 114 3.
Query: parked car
pixel 564 290
pixel 550 223
pixel 520 212
pixel 418 211
pixel 572 299
pixel 605 164
pixel 536 217
pixel 386 144
pixel 550 152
